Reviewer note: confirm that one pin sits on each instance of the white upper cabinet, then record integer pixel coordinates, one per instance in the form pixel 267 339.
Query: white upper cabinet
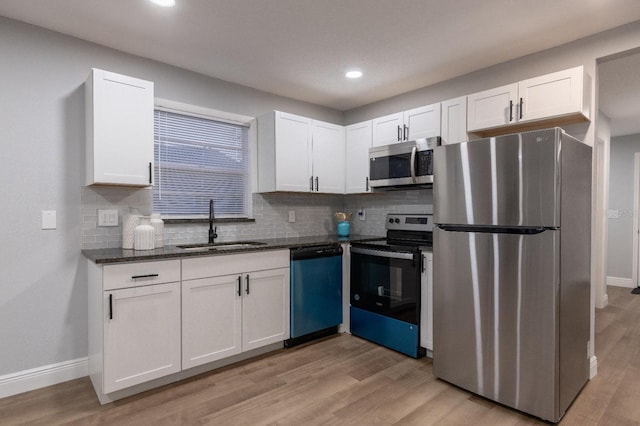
pixel 492 108
pixel 358 141
pixel 557 98
pixel 454 120
pixel 119 126
pixel 422 122
pixel 284 152
pixel 328 157
pixel 299 154
pixel 554 95
pixel 388 129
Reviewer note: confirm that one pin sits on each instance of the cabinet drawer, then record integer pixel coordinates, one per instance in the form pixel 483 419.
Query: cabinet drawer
pixel 212 266
pixel 137 274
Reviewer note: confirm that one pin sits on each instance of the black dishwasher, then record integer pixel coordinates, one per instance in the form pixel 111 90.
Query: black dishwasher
pixel 316 292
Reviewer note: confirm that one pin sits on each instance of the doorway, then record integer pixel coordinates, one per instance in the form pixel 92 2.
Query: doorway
pixel 619 111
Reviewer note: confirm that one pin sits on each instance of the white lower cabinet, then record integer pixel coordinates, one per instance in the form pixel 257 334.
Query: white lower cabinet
pixel 141 335
pixel 246 308
pixel 151 320
pixel 134 323
pixel 211 320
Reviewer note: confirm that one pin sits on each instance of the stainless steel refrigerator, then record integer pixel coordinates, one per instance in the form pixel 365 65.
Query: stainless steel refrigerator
pixel 511 254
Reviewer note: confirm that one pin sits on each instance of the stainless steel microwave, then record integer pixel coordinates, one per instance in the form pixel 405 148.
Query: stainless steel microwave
pixel 402 164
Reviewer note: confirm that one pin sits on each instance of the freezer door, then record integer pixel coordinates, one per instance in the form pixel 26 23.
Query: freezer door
pixel 495 316
pixel 508 180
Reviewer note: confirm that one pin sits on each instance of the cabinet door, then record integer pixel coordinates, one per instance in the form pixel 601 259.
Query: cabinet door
pixel 426 303
pixel 328 157
pixel 141 335
pixel 387 129
pixel 119 129
pixel 423 122
pixel 552 95
pixel 358 142
pixel 211 319
pixel 454 120
pixel 492 108
pixel 293 153
pixel 265 308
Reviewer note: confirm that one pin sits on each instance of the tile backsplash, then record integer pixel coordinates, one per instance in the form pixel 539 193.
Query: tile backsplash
pixel 314 215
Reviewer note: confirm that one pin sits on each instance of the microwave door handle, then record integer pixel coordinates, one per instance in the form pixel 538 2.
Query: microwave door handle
pixel 413 163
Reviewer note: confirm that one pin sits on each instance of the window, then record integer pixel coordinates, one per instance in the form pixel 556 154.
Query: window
pixel 198 158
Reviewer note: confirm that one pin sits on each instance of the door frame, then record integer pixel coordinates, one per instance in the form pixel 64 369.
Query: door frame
pixel 636 221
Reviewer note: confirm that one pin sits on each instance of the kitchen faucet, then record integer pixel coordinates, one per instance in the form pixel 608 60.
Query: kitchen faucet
pixel 212 230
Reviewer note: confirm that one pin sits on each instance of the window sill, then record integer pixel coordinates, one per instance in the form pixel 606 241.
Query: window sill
pixel 206 220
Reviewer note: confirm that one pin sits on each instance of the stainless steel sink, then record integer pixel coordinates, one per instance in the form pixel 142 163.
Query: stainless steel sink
pixel 221 246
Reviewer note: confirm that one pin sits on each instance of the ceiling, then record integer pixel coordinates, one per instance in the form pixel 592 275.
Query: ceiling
pixel 302 48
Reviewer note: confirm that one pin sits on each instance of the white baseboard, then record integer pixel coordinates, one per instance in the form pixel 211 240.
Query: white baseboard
pixel 620 282
pixel 40 377
pixel 593 367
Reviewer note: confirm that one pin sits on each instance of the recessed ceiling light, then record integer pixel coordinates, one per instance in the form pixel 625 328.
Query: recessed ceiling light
pixel 164 3
pixel 353 74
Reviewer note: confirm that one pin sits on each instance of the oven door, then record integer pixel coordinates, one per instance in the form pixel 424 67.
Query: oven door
pixel 386 282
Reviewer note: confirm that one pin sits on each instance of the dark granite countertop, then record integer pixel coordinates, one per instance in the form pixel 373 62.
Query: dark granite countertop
pixel 119 255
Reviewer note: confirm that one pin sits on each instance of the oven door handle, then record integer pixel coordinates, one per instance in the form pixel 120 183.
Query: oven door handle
pixel 413 163
pixel 381 253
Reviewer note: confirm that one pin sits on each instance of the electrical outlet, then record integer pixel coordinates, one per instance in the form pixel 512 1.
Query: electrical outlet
pixel 362 214
pixel 292 215
pixel 107 217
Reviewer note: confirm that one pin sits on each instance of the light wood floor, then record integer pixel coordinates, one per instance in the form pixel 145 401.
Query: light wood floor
pixel 344 380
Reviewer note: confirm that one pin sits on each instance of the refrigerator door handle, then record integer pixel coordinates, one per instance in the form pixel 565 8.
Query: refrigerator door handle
pixel 494 229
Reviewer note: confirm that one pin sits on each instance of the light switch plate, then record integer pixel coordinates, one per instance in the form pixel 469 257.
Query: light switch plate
pixel 107 217
pixel 48 219
pixel 292 215
pixel 362 214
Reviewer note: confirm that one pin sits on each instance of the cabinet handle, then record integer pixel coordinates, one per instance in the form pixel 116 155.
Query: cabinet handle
pixel 239 285
pixel 405 132
pixel 247 289
pixel 520 108
pixel 135 277
pixel 510 111
pixel 317 187
pixel 399 134
pixel 366 179
pixel 150 173
pixel 111 306
pixel 311 183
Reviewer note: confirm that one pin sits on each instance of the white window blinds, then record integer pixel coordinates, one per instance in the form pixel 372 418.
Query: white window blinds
pixel 198 159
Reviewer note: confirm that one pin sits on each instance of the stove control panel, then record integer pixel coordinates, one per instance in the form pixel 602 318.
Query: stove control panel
pixel 409 222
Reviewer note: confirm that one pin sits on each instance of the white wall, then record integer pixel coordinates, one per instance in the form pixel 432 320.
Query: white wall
pixel 43 295
pixel 619 248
